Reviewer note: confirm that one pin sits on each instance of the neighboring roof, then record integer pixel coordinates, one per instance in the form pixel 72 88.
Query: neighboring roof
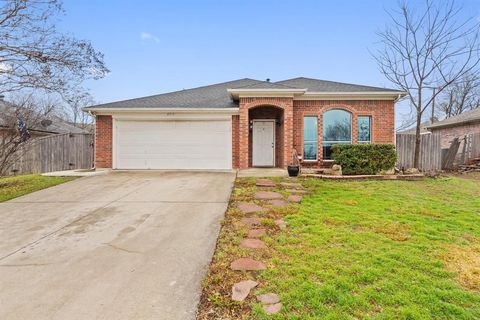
pixel 413 130
pixel 463 118
pixel 53 124
pixel 217 96
pixel 315 85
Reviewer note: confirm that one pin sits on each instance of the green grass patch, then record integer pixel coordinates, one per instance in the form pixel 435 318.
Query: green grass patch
pixel 13 187
pixel 379 250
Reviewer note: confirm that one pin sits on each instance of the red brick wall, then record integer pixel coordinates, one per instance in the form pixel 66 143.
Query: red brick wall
pixel 381 111
pixel 235 141
pixel 449 133
pixel 103 142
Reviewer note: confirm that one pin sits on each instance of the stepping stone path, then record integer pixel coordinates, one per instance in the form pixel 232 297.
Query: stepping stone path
pixel 252 244
pixel 247 264
pixel 278 203
pixel 292 185
pixel 265 183
pixel 295 198
pixel 249 222
pixel 240 290
pixel 268 298
pixel 247 207
pixel 296 191
pixel 272 308
pixel 267 195
pixel 281 223
pixel 256 233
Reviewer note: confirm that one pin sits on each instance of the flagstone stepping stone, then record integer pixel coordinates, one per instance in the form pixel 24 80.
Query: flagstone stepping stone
pixel 252 244
pixel 281 224
pixel 247 264
pixel 249 222
pixel 296 191
pixel 272 308
pixel 265 183
pixel 240 290
pixel 278 203
pixel 247 207
pixel 292 185
pixel 267 195
pixel 295 198
pixel 256 233
pixel 268 298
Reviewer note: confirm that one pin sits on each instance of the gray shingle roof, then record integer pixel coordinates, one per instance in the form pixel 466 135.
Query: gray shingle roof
pixel 217 96
pixel 212 96
pixel 469 116
pixel 265 85
pixel 315 85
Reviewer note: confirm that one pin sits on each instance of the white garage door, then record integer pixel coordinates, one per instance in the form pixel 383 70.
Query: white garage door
pixel 173 144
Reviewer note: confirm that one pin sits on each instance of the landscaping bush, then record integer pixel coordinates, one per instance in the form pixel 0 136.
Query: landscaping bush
pixel 364 158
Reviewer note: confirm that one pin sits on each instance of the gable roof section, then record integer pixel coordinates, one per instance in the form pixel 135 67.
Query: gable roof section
pixel 315 85
pixel 212 96
pixel 463 118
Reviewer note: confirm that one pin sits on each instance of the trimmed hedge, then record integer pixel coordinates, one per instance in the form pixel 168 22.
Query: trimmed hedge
pixel 364 158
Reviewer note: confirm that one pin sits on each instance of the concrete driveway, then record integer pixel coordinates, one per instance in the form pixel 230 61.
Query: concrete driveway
pixel 126 245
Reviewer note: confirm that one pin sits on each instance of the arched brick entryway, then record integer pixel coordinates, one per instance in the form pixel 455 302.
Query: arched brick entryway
pixel 280 109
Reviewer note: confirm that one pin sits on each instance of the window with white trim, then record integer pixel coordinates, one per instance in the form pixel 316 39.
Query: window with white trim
pixel 337 129
pixel 364 129
pixel 310 138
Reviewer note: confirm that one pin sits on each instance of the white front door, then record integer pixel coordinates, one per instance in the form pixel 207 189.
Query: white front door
pixel 263 143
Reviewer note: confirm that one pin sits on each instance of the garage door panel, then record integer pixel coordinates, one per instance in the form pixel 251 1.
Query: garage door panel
pixel 173 144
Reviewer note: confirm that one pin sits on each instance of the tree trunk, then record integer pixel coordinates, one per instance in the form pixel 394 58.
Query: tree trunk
pixel 416 156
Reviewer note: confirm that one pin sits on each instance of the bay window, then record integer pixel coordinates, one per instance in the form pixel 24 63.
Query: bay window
pixel 337 129
pixel 310 138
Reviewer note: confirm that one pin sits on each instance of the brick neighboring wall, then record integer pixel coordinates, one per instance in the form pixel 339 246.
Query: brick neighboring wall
pixel 460 131
pixel 103 142
pixel 381 111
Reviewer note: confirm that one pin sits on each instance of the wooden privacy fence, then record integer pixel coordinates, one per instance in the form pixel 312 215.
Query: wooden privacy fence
pixel 471 148
pixel 55 153
pixel 430 151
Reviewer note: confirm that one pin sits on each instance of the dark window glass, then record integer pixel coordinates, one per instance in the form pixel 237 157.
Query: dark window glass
pixel 364 129
pixel 337 128
pixel 310 138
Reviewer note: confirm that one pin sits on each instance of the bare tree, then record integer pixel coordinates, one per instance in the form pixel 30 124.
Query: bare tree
pixel 20 122
pixel 74 102
pixel 33 54
pixel 463 95
pixel 425 50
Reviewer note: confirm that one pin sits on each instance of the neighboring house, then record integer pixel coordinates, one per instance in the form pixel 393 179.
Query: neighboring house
pixel 241 124
pixel 413 130
pixel 42 127
pixel 457 126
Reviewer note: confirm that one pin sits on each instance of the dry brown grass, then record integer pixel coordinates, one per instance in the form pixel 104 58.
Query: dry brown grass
pixel 464 261
pixel 395 231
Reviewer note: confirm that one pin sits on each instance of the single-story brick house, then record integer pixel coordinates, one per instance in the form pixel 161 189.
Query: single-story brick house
pixel 456 127
pixel 242 123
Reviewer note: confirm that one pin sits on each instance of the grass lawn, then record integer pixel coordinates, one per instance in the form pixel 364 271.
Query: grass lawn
pixel 12 187
pixel 358 250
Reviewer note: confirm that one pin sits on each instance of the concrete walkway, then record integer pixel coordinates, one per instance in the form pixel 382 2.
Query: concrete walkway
pixel 125 245
pixel 262 172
